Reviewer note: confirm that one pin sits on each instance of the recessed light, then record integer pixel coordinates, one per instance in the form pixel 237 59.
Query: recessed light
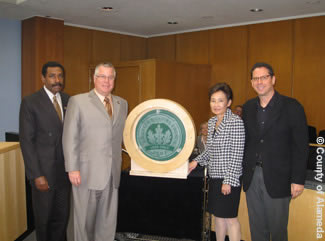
pixel 107 9
pixel 172 22
pixel 313 2
pixel 256 10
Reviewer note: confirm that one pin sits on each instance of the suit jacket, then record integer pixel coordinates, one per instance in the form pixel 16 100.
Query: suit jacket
pixel 284 141
pixel 40 135
pixel 225 149
pixel 92 141
pixel 199 144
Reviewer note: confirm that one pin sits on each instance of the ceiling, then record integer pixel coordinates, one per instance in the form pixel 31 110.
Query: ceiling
pixel 148 18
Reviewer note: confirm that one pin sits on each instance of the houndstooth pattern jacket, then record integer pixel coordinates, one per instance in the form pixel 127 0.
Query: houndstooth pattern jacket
pixel 225 149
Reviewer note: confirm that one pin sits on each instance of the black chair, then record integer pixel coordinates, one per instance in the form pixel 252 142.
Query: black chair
pixel 322 133
pixel 312 134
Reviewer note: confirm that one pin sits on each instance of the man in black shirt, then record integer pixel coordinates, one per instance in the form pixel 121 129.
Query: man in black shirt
pixel 275 160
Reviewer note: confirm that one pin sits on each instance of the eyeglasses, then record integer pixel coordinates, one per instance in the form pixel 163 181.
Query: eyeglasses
pixel 263 77
pixel 104 77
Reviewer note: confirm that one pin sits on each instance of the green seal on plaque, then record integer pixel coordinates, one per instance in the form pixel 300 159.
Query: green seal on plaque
pixel 160 135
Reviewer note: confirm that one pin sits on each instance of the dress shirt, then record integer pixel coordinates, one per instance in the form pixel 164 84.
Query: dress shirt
pixel 58 98
pixel 263 115
pixel 102 99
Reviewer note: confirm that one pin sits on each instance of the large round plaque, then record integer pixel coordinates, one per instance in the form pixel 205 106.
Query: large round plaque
pixel 159 135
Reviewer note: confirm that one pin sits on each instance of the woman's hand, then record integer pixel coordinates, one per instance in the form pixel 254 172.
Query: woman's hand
pixel 225 189
pixel 192 166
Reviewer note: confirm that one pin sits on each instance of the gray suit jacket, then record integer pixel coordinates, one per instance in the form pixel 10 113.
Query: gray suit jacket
pixel 92 140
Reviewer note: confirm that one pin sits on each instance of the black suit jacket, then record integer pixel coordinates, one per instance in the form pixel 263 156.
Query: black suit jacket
pixel 284 142
pixel 40 135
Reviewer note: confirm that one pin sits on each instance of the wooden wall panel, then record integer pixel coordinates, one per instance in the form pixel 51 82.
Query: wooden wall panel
pixel 188 85
pixel 133 48
pixel 30 79
pixel 127 85
pixel 42 41
pixel 77 54
pixel 272 43
pixel 105 47
pixel 309 66
pixel 162 47
pixel 228 57
pixel 193 47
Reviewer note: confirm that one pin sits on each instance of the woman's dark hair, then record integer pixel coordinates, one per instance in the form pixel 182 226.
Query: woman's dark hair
pixel 225 88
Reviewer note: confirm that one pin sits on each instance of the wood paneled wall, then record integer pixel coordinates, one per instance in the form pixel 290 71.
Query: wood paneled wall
pixel 228 57
pixel 295 49
pixel 308 68
pixel 162 47
pixel 85 47
pixel 272 43
pixel 42 41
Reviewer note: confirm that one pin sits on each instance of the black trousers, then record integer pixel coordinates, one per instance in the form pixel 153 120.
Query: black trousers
pixel 51 213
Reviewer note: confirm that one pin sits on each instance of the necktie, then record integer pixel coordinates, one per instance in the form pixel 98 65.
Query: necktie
pixel 57 107
pixel 108 107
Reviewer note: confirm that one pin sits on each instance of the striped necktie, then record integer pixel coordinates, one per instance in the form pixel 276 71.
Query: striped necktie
pixel 57 107
pixel 108 106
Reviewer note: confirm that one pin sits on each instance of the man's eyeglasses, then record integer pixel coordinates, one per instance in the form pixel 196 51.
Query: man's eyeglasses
pixel 263 77
pixel 103 77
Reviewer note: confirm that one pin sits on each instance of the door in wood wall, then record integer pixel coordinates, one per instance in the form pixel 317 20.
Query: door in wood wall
pixel 127 84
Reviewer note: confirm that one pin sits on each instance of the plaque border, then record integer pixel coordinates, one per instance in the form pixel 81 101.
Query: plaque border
pixel 130 138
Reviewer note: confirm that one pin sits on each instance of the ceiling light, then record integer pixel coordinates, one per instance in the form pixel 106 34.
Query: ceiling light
pixel 107 9
pixel 172 22
pixel 256 10
pixel 313 2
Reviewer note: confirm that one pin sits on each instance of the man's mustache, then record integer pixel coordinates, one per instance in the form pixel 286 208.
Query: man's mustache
pixel 57 84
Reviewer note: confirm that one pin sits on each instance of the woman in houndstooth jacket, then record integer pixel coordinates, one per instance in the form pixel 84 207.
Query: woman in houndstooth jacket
pixel 223 157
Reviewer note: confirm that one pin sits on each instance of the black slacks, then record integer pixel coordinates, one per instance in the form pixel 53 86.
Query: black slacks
pixel 51 213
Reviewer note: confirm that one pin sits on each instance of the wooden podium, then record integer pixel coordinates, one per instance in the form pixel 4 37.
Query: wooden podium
pixel 13 218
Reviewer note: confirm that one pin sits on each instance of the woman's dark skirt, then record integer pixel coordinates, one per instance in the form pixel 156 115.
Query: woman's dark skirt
pixel 222 206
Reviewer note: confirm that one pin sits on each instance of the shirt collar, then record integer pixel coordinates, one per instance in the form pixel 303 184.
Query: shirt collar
pixel 271 102
pixel 226 116
pixel 102 98
pixel 50 94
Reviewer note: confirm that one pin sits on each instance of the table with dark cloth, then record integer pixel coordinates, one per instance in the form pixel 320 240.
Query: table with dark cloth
pixel 165 207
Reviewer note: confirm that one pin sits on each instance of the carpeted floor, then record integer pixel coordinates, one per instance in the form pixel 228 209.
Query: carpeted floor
pixel 127 237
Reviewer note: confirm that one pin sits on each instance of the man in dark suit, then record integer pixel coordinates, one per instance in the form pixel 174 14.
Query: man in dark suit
pixel 275 157
pixel 40 133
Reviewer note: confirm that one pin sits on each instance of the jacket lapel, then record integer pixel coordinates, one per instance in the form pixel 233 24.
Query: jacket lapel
pixel 64 99
pixel 98 104
pixel 116 108
pixel 252 117
pixel 48 106
pixel 222 125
